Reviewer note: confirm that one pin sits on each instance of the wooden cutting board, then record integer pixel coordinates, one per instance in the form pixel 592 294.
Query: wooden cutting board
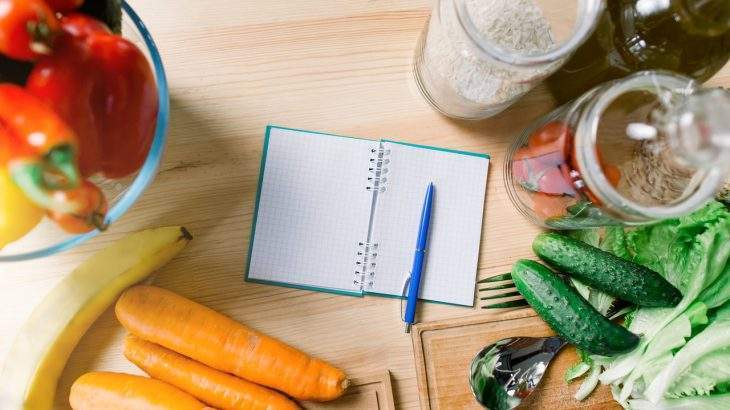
pixel 444 350
pixel 373 392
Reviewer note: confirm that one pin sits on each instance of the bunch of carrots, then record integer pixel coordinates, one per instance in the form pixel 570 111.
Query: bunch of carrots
pixel 197 358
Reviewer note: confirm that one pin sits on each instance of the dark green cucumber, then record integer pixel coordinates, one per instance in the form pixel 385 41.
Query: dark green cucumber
pixel 604 271
pixel 568 313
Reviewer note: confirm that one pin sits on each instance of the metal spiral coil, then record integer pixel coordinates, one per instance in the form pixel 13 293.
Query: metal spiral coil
pixel 365 265
pixel 379 161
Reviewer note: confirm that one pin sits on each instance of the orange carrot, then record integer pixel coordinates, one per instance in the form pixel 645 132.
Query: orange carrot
pixel 119 391
pixel 202 334
pixel 214 387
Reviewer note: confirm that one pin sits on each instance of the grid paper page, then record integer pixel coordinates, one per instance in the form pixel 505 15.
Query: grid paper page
pixel 313 209
pixel 456 222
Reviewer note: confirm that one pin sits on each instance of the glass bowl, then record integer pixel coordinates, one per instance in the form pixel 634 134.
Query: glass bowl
pixel 47 239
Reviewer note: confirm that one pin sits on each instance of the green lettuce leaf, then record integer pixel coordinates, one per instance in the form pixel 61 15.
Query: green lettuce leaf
pixel 704 375
pixel 614 241
pixel 659 351
pixel 590 236
pixel 585 363
pixel 644 319
pixel 589 384
pixel 712 341
pixel 582 288
pixel 690 252
pixel 575 371
pixel 717 402
pixel 679 248
pixel 719 291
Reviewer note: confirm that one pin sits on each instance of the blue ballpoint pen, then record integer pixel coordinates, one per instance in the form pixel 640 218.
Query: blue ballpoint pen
pixel 418 259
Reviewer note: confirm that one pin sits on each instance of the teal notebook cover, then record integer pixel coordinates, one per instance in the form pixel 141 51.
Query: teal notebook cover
pixel 340 214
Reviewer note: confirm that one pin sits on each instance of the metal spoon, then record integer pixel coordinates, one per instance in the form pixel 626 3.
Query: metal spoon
pixel 504 373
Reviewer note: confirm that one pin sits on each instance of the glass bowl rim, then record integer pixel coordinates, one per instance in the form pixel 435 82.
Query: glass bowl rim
pixel 149 169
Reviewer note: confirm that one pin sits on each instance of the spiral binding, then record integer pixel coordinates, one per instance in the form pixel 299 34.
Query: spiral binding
pixel 367 252
pixel 378 168
pixel 365 264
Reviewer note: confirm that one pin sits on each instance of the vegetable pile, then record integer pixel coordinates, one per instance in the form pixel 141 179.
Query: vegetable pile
pixel 569 314
pixel 569 310
pixel 45 341
pixel 76 101
pixel 200 354
pixel 195 356
pixel 683 357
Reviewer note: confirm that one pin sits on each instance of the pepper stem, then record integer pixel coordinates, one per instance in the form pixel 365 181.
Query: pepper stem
pixel 41 36
pixel 62 159
pixel 98 221
pixel 29 176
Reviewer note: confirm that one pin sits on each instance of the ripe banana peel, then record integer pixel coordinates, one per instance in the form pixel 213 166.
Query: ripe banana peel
pixel 41 349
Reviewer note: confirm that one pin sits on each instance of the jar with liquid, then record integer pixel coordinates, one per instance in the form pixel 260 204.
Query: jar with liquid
pixel 651 146
pixel 690 37
pixel 477 57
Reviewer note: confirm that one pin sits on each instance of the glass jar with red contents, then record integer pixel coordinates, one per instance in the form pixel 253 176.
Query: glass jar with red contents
pixel 651 146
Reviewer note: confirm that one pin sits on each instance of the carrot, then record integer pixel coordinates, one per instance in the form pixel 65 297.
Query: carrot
pixel 202 334
pixel 119 391
pixel 216 388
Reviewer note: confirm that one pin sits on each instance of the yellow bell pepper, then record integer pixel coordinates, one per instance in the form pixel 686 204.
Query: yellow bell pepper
pixel 18 215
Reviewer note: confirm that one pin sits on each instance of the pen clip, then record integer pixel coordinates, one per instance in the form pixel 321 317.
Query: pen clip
pixel 403 296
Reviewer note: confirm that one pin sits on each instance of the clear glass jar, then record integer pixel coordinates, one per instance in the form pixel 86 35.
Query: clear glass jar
pixel 477 57
pixel 651 146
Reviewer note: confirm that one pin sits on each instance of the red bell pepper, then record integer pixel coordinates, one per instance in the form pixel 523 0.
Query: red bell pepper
pixel 37 146
pixel 27 28
pixel 64 5
pixel 78 25
pixel 89 209
pixel 103 86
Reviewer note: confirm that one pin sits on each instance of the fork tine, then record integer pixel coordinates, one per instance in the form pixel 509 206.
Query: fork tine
pixel 501 295
pixel 511 303
pixel 497 287
pixel 504 276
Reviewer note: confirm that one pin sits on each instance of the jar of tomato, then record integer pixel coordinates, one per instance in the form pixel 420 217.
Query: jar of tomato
pixel 632 151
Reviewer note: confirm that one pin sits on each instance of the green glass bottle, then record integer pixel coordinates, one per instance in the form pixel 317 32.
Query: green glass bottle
pixel 691 37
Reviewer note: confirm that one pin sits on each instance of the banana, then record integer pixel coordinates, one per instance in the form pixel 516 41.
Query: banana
pixel 41 349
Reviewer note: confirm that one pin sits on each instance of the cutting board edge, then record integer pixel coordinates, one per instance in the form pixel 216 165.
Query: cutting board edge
pixel 420 328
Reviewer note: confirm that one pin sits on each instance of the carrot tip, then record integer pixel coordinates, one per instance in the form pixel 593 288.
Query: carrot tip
pixel 345 384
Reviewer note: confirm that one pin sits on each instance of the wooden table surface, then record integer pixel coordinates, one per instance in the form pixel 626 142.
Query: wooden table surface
pixel 235 66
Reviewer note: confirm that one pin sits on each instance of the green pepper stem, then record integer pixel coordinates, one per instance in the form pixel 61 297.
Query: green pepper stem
pixel 62 160
pixel 30 179
pixel 41 36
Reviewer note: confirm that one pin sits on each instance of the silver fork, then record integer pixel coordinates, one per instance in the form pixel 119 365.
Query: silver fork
pixel 494 283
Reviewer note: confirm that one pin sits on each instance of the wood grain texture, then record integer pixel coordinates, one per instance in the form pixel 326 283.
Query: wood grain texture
pixel 444 350
pixel 373 392
pixel 234 66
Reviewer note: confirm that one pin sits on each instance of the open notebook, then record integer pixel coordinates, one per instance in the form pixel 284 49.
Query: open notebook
pixel 341 214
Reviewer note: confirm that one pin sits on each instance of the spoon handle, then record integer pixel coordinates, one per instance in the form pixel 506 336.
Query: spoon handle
pixel 553 344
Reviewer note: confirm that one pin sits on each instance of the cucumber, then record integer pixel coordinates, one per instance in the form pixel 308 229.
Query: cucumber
pixel 568 313
pixel 604 271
